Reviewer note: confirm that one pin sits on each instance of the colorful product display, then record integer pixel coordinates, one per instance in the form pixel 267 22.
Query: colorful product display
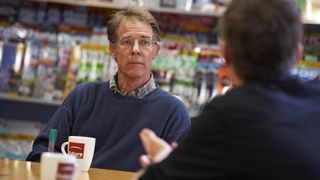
pixel 309 67
pixel 10 66
pixel 60 46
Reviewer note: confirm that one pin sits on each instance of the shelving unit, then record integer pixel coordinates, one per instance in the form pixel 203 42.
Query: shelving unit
pixel 26 109
pixel 86 3
pixel 27 102
pixel 111 5
pixel 309 21
pixel 5 96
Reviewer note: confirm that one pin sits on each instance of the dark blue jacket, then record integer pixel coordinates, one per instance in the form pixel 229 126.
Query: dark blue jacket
pixel 261 131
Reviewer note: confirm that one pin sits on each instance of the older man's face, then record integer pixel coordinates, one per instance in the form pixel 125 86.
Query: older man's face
pixel 134 49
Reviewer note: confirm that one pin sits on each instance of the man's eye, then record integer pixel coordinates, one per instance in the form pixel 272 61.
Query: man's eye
pixel 127 42
pixel 145 42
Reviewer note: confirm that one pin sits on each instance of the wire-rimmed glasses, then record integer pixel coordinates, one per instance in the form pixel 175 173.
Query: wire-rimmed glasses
pixel 128 43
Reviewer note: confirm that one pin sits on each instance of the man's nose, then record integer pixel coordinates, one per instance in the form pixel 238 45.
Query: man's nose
pixel 136 48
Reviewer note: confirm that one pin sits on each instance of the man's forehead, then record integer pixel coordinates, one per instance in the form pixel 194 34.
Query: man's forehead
pixel 128 36
pixel 133 27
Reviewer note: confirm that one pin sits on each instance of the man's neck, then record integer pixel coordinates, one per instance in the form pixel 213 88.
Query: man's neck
pixel 127 84
pixel 235 79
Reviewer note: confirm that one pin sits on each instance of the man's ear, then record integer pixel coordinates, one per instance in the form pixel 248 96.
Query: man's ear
pixel 299 52
pixel 156 51
pixel 224 51
pixel 112 51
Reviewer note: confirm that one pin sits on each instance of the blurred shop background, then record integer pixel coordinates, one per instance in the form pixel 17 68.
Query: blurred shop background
pixel 47 47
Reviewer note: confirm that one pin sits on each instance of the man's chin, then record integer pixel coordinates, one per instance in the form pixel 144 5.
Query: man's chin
pixel 136 75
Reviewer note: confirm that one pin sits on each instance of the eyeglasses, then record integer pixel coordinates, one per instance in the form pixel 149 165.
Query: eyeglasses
pixel 129 43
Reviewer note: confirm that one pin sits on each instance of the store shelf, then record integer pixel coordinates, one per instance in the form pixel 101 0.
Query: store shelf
pixel 111 5
pixel 26 109
pixel 91 3
pixel 5 96
pixel 107 4
pixel 193 13
pixel 311 21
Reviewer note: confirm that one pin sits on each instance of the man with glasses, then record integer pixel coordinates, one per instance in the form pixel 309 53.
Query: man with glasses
pixel 115 112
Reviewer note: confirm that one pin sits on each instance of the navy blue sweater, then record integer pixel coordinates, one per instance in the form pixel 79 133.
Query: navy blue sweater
pixel 94 110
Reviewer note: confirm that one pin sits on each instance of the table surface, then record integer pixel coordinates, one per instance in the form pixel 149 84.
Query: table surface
pixel 24 170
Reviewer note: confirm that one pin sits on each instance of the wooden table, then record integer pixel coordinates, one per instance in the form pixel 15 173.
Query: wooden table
pixel 23 170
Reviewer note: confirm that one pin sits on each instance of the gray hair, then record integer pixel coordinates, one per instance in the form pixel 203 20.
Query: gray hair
pixel 140 14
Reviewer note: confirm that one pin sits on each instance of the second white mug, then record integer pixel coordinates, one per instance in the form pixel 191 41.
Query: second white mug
pixel 82 148
pixel 55 166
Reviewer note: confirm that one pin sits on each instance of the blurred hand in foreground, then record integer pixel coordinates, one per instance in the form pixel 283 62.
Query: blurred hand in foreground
pixel 156 148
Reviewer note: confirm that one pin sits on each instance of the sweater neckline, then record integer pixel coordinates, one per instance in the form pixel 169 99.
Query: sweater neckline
pixel 119 96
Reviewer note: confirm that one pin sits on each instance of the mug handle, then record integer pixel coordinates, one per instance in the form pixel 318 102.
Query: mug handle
pixel 63 148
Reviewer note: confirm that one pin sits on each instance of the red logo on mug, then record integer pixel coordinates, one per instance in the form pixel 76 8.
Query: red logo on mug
pixel 76 149
pixel 65 171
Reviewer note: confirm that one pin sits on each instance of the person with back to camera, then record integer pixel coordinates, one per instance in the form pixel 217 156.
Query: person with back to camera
pixel 268 126
pixel 114 112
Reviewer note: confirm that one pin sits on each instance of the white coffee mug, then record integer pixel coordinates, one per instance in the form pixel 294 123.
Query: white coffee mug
pixel 55 166
pixel 82 148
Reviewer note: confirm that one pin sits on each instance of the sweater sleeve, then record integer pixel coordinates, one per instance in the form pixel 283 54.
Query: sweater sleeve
pixel 178 123
pixel 62 121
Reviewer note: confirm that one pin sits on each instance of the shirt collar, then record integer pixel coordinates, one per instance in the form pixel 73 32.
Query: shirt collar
pixel 140 92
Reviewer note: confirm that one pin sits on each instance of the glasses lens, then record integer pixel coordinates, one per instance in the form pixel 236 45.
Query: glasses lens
pixel 145 43
pixel 129 43
pixel 126 43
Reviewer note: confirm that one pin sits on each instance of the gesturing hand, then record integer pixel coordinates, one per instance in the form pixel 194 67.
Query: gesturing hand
pixel 156 148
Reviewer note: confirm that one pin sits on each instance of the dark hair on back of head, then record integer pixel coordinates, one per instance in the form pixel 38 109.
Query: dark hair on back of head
pixel 262 36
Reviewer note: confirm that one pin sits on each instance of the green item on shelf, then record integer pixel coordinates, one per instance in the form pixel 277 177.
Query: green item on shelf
pixel 301 4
